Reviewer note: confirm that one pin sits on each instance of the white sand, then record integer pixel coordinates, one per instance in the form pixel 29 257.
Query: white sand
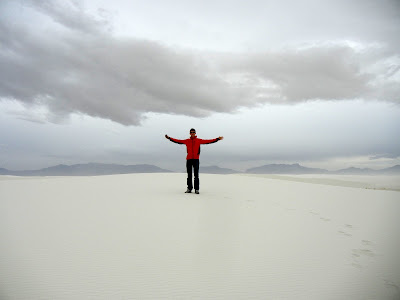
pixel 244 237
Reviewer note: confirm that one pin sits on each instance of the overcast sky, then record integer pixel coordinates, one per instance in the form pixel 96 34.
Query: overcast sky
pixel 309 82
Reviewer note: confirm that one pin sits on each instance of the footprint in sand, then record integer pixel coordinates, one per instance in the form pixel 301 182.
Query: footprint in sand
pixel 317 214
pixel 359 256
pixel 345 233
pixel 363 255
pixel 367 243
pixel 347 227
pixel 391 285
pixel 363 252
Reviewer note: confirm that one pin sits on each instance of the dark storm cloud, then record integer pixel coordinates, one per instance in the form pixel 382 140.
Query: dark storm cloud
pixel 73 63
pixel 325 72
pixel 96 74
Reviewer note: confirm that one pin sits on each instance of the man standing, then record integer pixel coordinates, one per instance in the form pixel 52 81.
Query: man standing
pixel 192 158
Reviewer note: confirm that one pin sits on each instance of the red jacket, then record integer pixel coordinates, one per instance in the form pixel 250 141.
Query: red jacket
pixel 193 145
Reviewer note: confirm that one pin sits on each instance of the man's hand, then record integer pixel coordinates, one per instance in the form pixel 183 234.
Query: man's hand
pixel 220 137
pixel 166 136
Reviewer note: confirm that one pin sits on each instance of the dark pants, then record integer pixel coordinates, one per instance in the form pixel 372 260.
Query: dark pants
pixel 193 163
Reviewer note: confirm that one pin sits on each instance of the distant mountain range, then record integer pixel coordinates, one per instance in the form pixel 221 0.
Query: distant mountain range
pixel 92 169
pixel 285 169
pixel 387 171
pixel 217 170
pixel 298 169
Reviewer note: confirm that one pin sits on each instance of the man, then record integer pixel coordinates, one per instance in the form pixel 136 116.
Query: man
pixel 192 158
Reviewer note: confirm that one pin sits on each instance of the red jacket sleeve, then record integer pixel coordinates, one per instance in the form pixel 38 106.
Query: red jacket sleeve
pixel 208 141
pixel 177 141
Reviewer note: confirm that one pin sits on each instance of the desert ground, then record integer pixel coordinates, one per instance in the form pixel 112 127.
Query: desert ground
pixel 139 236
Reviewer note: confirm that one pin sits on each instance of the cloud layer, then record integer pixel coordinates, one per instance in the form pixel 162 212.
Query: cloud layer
pixel 70 62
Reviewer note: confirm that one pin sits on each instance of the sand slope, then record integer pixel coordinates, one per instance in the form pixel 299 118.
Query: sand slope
pixel 139 236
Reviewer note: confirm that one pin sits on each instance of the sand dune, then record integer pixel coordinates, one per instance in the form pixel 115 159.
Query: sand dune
pixel 139 236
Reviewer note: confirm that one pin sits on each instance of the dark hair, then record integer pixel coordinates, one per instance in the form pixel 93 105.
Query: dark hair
pixel 193 129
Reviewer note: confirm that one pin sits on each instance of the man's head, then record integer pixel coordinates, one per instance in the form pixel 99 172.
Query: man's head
pixel 192 132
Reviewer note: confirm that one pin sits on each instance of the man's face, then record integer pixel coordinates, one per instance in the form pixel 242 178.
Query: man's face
pixel 192 133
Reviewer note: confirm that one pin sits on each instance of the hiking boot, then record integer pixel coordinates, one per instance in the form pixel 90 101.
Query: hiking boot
pixel 188 191
pixel 197 191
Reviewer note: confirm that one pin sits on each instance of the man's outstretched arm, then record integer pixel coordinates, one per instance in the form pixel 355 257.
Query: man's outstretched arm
pixel 211 141
pixel 174 140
